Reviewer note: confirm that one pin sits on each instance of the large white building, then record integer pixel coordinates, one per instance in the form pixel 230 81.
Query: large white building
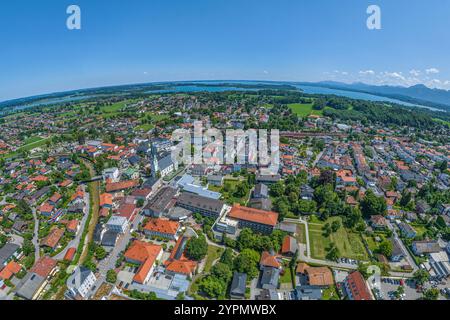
pixel 111 173
pixel 117 224
pixel 80 283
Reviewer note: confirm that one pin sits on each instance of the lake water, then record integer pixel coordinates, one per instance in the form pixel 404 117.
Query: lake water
pixel 356 95
pixel 201 87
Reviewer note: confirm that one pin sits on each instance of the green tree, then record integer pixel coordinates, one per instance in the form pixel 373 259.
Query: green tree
pixel 111 276
pixel 386 248
pixel 197 248
pixel 431 294
pixel 222 271
pixel 247 262
pixel 373 205
pixel 421 276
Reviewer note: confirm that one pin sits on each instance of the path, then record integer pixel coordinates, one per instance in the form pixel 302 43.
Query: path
pixel 75 242
pixel 35 239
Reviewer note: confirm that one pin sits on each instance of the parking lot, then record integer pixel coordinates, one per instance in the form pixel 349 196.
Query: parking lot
pixel 389 286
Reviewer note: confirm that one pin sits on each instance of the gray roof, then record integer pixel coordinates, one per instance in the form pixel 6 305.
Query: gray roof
pixel 30 284
pixel 165 162
pixel 7 251
pixel 267 178
pixel 396 248
pixel 196 201
pixel 161 199
pixel 426 246
pixel 238 284
pixel 109 238
pixel 215 178
pixel 261 191
pixel 270 277
pixel 261 203
pixel 308 293
pixel 78 277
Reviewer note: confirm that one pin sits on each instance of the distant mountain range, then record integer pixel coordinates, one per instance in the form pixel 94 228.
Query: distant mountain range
pixel 418 94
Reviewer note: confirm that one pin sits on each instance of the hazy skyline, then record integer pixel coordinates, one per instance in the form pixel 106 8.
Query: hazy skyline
pixel 291 40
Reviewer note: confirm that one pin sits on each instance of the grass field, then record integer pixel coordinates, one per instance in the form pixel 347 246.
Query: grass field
pixel 348 243
pixel 301 233
pixel 213 254
pixel 32 140
pixel 372 243
pixel 304 109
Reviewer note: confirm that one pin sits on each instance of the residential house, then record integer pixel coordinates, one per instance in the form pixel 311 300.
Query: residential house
pixel 289 246
pixel 407 230
pixel 238 285
pixel 35 281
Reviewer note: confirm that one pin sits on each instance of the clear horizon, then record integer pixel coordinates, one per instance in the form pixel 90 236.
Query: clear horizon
pixel 157 41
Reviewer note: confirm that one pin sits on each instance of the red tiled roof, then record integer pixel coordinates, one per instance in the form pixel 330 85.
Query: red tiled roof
pixel 182 266
pixel 11 269
pixel 53 238
pixel 117 186
pixel 106 199
pixel 357 286
pixel 162 226
pixel 55 198
pixel 144 253
pixel 70 254
pixel 253 215
pixel 72 225
pixel 127 210
pixel 286 246
pixel 46 207
pixel 44 266
pixel 269 260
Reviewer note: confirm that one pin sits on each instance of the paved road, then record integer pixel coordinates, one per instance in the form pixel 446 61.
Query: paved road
pixel 110 261
pixel 317 158
pixel 35 239
pixel 75 242
pixel 408 256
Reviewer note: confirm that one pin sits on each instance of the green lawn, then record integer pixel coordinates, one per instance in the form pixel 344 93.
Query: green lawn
pixel 304 109
pixel 213 254
pixel 287 276
pixel 32 140
pixel 330 293
pixel 420 229
pixel 348 243
pixel 301 233
pixel 372 243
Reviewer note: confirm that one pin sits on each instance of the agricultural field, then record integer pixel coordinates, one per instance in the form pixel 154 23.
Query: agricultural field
pixel 348 243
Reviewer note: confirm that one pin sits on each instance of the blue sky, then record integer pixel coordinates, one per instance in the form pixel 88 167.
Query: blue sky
pixel 159 40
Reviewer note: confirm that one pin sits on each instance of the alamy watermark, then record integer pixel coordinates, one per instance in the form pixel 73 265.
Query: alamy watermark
pixel 239 147
pixel 73 22
pixel 374 20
